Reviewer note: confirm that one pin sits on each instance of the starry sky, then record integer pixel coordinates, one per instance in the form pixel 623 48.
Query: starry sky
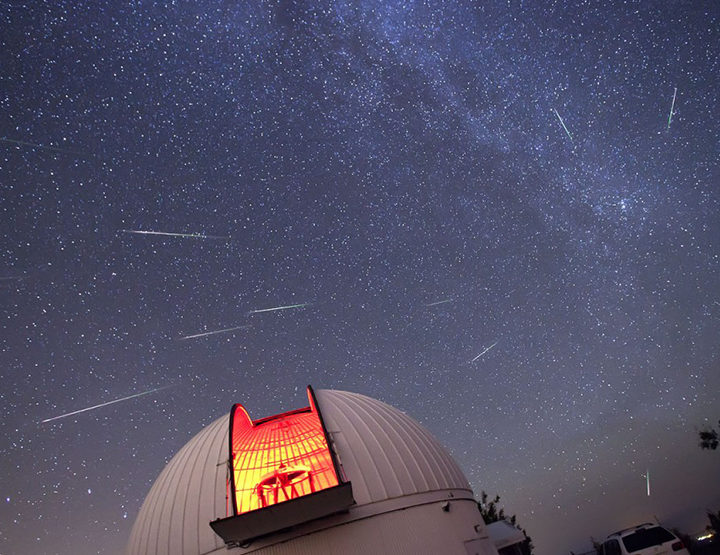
pixel 501 218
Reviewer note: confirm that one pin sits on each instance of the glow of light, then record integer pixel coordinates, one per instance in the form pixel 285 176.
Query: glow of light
pixel 563 125
pixel 42 147
pixel 485 351
pixel 273 309
pixel 440 302
pixel 169 234
pixel 104 404
pixel 672 108
pixel 279 458
pixel 214 332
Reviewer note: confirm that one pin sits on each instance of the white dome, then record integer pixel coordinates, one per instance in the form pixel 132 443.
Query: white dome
pixel 188 494
pixel 384 454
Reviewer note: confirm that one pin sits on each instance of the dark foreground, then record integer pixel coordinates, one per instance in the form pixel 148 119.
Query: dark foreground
pixel 708 549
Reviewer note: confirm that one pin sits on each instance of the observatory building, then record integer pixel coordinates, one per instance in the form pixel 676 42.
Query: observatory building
pixel 346 474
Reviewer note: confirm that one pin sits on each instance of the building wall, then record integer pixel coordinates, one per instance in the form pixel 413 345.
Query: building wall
pixel 419 530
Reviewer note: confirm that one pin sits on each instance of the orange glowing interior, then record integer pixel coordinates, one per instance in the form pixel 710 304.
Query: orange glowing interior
pixel 279 458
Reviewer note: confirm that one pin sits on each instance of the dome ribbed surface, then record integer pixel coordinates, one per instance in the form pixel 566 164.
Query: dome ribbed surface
pixel 383 452
pixel 188 494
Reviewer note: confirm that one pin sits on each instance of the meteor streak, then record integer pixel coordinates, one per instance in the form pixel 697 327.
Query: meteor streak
pixel 672 107
pixel 43 147
pixel 485 351
pixel 104 404
pixel 273 309
pixel 440 302
pixel 647 481
pixel 214 332
pixel 191 235
pixel 563 125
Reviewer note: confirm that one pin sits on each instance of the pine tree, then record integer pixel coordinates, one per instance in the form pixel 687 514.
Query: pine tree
pixel 492 512
pixel 709 439
pixel 714 525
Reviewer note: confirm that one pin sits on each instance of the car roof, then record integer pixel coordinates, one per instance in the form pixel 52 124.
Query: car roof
pixel 626 531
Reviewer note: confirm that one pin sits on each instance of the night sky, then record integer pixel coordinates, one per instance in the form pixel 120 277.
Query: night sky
pixel 495 221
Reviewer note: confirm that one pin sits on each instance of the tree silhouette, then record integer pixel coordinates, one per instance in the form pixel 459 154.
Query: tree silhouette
pixel 709 439
pixel 492 512
pixel 714 519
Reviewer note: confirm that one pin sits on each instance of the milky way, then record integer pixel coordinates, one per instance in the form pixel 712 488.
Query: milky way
pixel 420 180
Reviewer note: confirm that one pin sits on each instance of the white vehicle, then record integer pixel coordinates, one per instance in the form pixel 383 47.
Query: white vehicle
pixel 644 539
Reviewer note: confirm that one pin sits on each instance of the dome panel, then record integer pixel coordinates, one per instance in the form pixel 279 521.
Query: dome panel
pixel 188 494
pixel 385 453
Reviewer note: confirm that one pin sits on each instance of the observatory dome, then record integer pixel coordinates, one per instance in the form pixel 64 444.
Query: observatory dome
pixel 392 463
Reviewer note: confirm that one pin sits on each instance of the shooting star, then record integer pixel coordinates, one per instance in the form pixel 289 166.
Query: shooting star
pixel 191 235
pixel 104 404
pixel 563 126
pixel 273 309
pixel 485 351
pixel 214 332
pixel 647 481
pixel 672 108
pixel 42 147
pixel 440 302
